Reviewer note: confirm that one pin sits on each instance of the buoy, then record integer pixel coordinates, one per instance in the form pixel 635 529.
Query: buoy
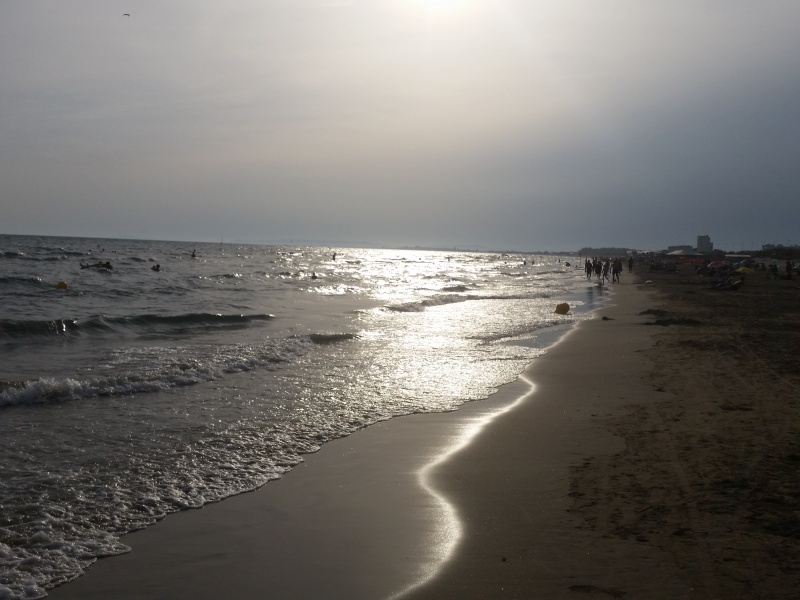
pixel 562 308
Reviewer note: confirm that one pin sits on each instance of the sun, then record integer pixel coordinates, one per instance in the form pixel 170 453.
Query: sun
pixel 439 5
pixel 440 8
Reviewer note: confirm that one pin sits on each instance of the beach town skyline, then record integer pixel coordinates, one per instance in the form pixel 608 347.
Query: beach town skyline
pixel 703 246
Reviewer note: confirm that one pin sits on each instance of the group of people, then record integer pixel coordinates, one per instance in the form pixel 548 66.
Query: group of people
pixel 601 268
pixel 156 267
pixel 773 272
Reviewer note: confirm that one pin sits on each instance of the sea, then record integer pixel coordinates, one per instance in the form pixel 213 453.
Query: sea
pixel 129 393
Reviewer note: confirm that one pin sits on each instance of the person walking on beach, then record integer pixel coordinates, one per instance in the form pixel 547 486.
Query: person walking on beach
pixel 630 264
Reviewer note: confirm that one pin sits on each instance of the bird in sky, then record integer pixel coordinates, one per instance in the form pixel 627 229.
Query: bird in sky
pixel 127 15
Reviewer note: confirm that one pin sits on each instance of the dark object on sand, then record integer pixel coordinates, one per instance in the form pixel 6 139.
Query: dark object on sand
pixel 729 284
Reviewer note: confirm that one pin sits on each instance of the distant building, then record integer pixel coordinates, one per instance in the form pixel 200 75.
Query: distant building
pixel 704 245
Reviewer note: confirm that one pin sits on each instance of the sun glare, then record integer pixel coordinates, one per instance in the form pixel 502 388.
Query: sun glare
pixel 439 5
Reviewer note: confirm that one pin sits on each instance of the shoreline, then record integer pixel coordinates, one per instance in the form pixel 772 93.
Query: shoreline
pixel 513 486
pixel 353 522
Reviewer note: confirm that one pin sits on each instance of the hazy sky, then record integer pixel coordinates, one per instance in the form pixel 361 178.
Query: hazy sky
pixel 519 124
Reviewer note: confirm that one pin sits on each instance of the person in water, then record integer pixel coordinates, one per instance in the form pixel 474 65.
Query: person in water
pixel 99 265
pixel 156 267
pixel 194 255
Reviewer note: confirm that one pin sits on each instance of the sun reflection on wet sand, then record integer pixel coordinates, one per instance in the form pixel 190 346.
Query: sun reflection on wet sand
pixel 448 532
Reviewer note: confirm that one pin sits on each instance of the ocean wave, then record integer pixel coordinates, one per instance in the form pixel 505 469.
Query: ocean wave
pixel 50 391
pixel 161 373
pixel 455 288
pixel 420 305
pixel 532 295
pixel 24 281
pixel 56 256
pixel 133 325
pixel 11 254
pixel 331 338
pixel 26 328
pixel 523 331
pixel 514 274
pixel 196 319
pixel 442 299
pixel 59 250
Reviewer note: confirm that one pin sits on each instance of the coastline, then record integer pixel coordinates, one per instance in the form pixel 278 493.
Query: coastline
pixel 350 522
pixel 682 480
pixel 353 520
pixel 524 537
pixel 612 477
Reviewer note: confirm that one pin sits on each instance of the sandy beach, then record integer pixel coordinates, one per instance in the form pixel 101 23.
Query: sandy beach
pixel 652 453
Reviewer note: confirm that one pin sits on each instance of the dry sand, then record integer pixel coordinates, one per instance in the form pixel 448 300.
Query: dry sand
pixel 710 469
pixel 649 462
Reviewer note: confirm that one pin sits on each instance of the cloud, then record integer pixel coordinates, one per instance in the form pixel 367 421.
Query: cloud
pixel 512 123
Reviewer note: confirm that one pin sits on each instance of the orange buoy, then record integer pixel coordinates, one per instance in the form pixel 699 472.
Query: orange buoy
pixel 62 285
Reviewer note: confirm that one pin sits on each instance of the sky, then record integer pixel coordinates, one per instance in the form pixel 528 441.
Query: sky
pixel 498 124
